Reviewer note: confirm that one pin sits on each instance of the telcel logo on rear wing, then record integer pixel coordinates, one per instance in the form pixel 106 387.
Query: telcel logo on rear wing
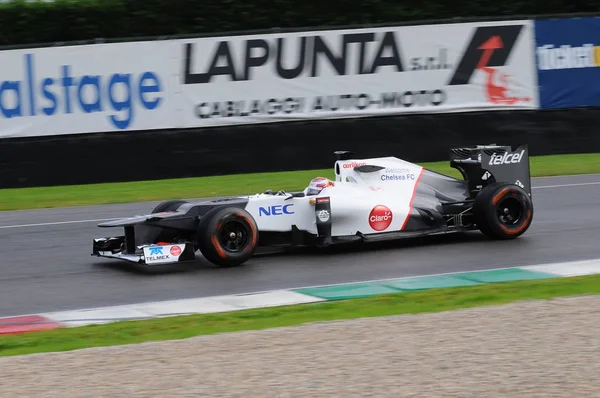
pixel 506 158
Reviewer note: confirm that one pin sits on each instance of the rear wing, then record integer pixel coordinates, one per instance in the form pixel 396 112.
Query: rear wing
pixel 485 164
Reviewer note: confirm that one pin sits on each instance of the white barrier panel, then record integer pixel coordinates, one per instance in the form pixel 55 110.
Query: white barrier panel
pixel 267 78
pixel 361 72
pixel 90 88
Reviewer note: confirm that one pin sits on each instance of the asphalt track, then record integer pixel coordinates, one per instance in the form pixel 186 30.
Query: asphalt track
pixel 45 262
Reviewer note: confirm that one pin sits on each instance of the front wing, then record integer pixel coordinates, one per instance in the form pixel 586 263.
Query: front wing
pixel 150 254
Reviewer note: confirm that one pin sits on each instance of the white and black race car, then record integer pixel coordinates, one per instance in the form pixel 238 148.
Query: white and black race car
pixel 370 199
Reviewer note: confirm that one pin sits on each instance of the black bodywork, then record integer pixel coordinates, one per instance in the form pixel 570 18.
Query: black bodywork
pixel 456 197
pixel 445 204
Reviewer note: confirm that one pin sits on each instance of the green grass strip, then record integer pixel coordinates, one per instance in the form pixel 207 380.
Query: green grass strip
pixel 180 327
pixel 94 194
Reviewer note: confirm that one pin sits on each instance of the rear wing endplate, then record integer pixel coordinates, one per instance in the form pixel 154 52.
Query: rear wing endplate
pixel 485 164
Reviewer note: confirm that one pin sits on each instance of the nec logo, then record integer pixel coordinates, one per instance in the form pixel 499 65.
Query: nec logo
pixel 506 158
pixel 155 250
pixel 275 210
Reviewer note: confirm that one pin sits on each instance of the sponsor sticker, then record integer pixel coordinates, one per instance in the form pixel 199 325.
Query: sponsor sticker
pixel 155 254
pixel 353 165
pixel 567 53
pixel 155 251
pixel 380 218
pixel 275 210
pixel 162 254
pixel 175 251
pixel 323 215
pixel 397 174
pixel 506 158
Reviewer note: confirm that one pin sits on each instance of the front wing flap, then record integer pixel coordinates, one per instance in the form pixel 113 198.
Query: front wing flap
pixel 150 254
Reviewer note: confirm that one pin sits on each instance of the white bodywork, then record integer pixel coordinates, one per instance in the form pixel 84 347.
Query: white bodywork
pixel 373 202
pixel 367 200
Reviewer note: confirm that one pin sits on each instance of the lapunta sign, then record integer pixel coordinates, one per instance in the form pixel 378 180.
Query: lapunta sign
pixel 307 55
pixel 273 77
pixel 359 72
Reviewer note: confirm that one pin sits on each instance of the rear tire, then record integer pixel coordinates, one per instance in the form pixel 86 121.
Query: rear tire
pixel 503 211
pixel 227 236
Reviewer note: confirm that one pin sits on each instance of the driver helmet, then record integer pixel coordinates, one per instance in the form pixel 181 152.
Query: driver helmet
pixel 317 185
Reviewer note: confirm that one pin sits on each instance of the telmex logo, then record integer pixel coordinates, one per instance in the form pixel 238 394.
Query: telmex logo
pixel 506 158
pixel 155 251
pixel 566 56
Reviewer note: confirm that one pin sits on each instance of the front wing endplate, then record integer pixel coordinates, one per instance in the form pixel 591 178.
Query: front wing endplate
pixel 150 254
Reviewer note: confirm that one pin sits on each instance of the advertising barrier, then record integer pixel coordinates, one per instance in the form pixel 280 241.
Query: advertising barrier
pixel 568 62
pixel 217 81
pixel 361 72
pixel 90 88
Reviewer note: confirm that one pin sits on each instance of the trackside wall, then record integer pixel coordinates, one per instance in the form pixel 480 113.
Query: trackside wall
pixel 256 102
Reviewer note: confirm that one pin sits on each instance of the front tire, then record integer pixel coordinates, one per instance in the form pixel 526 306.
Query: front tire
pixel 227 237
pixel 167 235
pixel 503 211
pixel 169 205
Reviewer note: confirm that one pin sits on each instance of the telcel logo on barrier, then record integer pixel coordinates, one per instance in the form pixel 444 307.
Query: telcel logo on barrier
pixel 68 93
pixel 276 210
pixel 568 57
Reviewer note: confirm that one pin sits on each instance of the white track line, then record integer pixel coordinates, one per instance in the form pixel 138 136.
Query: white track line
pixel 54 223
pixel 109 219
pixel 567 185
pixel 568 176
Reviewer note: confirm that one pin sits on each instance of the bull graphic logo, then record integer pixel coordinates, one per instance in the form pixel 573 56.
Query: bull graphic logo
pixel 489 49
pixel 496 85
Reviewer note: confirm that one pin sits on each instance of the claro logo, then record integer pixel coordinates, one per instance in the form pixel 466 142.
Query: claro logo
pixel 380 218
pixel 506 158
pixel 175 251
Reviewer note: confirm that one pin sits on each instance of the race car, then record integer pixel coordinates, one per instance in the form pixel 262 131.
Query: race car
pixel 370 199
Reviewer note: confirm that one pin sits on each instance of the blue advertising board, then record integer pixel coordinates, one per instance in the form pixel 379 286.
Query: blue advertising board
pixel 567 55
